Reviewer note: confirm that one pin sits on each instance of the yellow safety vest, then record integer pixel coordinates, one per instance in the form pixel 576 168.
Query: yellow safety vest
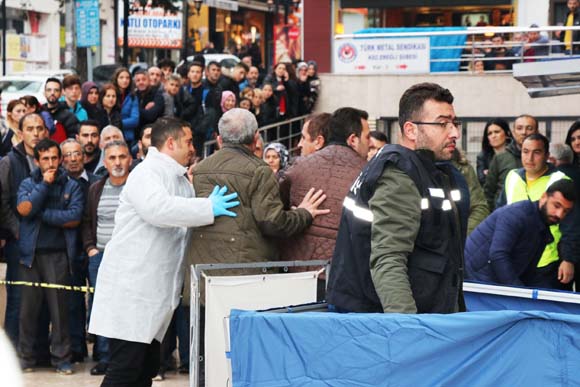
pixel 516 190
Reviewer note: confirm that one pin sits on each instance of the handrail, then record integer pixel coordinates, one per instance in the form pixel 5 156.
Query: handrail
pixel 467 31
pixel 208 144
pixel 477 47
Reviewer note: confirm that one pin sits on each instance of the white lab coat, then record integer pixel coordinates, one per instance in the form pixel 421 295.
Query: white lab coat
pixel 141 275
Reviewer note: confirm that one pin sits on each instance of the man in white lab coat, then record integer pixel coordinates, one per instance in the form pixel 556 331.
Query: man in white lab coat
pixel 141 275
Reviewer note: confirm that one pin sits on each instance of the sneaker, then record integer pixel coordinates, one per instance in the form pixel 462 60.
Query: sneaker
pixel 64 368
pixel 27 369
pixel 183 369
pixel 159 377
pixel 99 369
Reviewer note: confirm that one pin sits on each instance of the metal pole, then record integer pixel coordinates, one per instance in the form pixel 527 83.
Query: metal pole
pixel 89 64
pixel 185 30
pixel 3 37
pixel 126 33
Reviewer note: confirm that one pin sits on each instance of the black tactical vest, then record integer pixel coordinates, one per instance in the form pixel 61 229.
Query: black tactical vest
pixel 435 267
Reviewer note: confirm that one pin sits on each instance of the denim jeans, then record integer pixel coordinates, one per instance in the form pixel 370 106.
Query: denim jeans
pixel 102 343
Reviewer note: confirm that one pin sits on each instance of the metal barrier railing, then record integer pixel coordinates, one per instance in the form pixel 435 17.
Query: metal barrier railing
pixel 479 47
pixel 285 132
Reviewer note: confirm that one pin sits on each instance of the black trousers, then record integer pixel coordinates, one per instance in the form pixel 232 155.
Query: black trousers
pixel 132 364
pixel 50 268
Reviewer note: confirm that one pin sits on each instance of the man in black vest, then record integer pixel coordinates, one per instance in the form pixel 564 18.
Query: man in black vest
pixel 399 246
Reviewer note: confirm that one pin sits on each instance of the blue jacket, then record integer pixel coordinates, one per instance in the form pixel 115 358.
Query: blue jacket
pixel 59 204
pixel 506 246
pixel 130 117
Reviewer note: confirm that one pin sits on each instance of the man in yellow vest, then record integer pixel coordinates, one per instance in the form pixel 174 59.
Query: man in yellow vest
pixel 572 20
pixel 529 183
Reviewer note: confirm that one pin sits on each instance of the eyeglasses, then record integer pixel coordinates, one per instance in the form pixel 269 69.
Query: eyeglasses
pixel 71 154
pixel 444 125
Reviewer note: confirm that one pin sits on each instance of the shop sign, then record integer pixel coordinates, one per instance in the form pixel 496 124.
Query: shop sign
pixel 88 23
pixel 381 56
pixel 223 4
pixel 152 27
pixel 287 43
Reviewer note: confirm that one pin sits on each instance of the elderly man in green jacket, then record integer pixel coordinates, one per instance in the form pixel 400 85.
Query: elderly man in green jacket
pixel 261 216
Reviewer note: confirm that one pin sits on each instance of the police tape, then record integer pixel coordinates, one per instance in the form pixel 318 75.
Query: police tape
pixel 83 289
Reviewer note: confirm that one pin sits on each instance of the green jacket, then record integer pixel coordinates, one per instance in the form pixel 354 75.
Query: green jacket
pixel 397 218
pixel 249 237
pixel 499 167
pixel 478 209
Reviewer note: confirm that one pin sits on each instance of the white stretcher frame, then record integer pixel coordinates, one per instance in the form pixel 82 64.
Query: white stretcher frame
pixel 196 274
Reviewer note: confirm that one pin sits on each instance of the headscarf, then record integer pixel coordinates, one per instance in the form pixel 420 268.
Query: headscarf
pixel 225 95
pixel 85 88
pixel 282 153
pixel 299 66
pixel 313 63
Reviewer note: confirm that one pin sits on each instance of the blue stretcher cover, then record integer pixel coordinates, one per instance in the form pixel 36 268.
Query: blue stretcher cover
pixel 507 348
pixel 434 42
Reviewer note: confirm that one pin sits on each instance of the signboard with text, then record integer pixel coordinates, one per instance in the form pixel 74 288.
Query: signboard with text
pixel 88 23
pixel 152 27
pixel 381 56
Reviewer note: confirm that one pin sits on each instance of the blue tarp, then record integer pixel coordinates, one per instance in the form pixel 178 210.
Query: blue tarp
pixel 434 41
pixel 507 348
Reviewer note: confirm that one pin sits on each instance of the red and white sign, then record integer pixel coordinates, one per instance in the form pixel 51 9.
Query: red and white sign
pixel 152 27
pixel 381 56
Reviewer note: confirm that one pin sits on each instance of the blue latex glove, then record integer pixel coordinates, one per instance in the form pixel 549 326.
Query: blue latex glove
pixel 221 203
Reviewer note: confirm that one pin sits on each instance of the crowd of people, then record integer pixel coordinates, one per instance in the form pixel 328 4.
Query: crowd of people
pixel 109 195
pixel 502 51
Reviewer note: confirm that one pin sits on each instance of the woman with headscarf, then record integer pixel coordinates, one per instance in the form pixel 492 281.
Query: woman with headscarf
pixel 228 101
pixel 276 156
pixel 90 99
pixel 313 84
pixel 303 89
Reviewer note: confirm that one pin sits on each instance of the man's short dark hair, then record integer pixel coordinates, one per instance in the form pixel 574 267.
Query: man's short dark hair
pixel 142 131
pixel 140 72
pixel 413 99
pixel 319 125
pixel 53 79
pixel 94 123
pixel 197 64
pixel 213 63
pixel 344 122
pixel 44 145
pixel 166 127
pixel 242 65
pixel 378 135
pixel 71 80
pixel 565 186
pixel 27 116
pixel 539 137
pixel 166 63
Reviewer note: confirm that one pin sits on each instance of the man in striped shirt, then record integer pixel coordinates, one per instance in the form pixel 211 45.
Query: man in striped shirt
pixel 99 221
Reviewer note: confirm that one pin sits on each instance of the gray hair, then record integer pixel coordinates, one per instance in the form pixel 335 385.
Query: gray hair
pixel 110 128
pixel 70 141
pixel 562 152
pixel 116 143
pixel 238 126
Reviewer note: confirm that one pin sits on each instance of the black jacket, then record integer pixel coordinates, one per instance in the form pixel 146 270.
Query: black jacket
pixel 62 114
pixel 149 116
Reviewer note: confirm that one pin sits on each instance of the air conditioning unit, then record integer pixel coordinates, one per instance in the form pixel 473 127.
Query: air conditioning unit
pixel 549 78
